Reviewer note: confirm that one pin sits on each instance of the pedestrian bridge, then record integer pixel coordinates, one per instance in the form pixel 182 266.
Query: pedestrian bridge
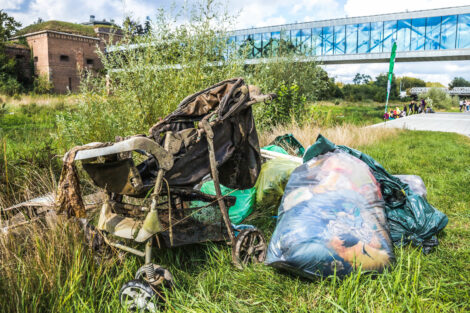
pixel 427 35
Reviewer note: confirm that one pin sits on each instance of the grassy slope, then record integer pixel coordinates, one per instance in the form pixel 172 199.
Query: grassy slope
pixel 59 275
pixel 78 29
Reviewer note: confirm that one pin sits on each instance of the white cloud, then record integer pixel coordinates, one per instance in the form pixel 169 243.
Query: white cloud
pixel 11 4
pixel 369 7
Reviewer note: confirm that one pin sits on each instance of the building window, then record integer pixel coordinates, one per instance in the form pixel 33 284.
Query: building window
pixel 35 59
pixel 363 38
pixel 376 37
pixel 418 33
pixel 433 32
pixel 463 35
pixel 328 40
pixel 448 33
pixel 64 58
pixel 89 61
pixel 351 39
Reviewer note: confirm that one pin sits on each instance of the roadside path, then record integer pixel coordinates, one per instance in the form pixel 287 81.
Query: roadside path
pixel 443 122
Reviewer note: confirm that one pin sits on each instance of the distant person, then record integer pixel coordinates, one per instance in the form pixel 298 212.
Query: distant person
pixel 423 106
pixel 461 102
pixel 467 104
pixel 415 107
pixel 405 108
pixel 386 115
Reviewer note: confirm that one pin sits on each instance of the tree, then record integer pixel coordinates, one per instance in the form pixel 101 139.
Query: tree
pixel 410 82
pixel 459 82
pixel 9 73
pixel 147 27
pixel 132 28
pixel 8 26
pixel 361 79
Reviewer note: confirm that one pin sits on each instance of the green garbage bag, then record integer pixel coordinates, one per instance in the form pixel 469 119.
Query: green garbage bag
pixel 237 213
pixel 275 148
pixel 411 218
pixel 272 181
pixel 289 143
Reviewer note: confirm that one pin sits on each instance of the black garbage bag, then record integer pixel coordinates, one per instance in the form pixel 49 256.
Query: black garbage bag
pixel 331 219
pixel 411 218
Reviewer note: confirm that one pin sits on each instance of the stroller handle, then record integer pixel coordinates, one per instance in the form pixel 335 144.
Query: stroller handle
pixel 262 98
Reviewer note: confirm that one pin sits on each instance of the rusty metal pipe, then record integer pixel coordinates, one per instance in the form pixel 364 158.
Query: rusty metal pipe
pixel 215 177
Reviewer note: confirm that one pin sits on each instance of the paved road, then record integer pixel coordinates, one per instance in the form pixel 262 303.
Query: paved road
pixel 443 122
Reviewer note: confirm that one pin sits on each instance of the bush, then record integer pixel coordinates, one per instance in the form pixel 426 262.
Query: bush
pixel 289 105
pixel 9 85
pixel 42 85
pixel 439 99
pixel 290 69
pixel 147 83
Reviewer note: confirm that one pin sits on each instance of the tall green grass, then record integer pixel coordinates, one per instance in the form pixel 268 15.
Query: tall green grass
pixel 50 269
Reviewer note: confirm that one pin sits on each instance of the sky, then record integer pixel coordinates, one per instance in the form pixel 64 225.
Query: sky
pixel 254 13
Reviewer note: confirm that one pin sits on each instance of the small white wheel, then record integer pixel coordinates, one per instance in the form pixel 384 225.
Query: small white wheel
pixel 138 296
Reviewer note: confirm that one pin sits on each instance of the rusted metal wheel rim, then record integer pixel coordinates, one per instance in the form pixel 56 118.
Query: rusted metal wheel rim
pixel 249 247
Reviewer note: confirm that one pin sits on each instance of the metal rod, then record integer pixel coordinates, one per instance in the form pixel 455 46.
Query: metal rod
pixel 125 248
pixel 148 250
pixel 215 177
pixel 155 196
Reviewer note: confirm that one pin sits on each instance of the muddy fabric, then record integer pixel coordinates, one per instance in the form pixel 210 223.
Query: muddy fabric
pixel 235 141
pixel 69 199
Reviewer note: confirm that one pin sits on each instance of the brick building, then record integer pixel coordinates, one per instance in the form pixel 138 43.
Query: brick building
pixel 61 51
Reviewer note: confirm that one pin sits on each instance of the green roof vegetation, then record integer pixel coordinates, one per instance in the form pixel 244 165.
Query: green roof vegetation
pixel 66 27
pixel 16 44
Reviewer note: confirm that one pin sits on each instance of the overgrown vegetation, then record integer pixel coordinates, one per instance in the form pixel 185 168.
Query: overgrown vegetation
pixel 60 26
pixel 49 268
pixel 439 99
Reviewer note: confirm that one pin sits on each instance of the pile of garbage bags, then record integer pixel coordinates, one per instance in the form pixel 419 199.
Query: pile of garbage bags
pixel 342 210
pixel 338 211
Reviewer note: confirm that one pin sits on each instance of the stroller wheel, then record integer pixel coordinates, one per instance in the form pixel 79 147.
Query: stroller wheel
pixel 249 247
pixel 138 296
pixel 155 275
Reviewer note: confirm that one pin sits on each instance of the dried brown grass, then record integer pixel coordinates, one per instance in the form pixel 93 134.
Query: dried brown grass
pixel 350 135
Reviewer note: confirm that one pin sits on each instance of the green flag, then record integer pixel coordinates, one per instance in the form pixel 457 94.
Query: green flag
pixel 390 72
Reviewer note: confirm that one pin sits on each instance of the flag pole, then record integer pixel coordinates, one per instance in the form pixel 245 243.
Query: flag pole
pixel 390 73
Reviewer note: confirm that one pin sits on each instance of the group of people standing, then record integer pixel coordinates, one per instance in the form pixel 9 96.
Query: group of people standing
pixel 412 108
pixel 415 108
pixel 464 105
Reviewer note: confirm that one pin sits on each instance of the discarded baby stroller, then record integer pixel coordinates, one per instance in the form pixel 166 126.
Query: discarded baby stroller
pixel 211 132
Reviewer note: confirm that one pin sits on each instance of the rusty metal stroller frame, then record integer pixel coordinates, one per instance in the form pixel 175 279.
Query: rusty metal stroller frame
pixel 249 245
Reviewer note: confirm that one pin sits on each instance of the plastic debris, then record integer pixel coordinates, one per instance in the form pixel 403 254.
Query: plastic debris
pixel 411 218
pixel 331 219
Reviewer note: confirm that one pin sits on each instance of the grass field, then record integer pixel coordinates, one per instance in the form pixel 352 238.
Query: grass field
pixel 48 269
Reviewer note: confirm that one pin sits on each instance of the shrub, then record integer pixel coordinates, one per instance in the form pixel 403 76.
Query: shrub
pixel 174 61
pixel 42 85
pixel 291 69
pixel 439 99
pixel 9 85
pixel 289 105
